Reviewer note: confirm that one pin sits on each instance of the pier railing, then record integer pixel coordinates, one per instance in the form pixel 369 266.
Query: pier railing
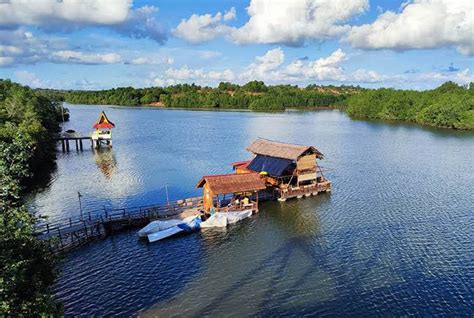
pixel 69 233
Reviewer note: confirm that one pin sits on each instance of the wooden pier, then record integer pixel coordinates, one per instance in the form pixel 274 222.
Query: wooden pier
pixel 97 141
pixel 75 137
pixel 67 234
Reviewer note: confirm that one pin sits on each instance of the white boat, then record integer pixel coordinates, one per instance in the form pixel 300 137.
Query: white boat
pixel 215 220
pixel 189 226
pixel 157 226
pixel 234 217
pixel 222 219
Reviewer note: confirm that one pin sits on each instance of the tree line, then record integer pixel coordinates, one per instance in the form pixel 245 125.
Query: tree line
pixel 449 105
pixel 254 95
pixel 28 267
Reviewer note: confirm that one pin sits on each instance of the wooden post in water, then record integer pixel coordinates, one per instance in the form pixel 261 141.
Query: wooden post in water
pixel 80 143
pixel 67 145
pixel 60 239
pixel 63 146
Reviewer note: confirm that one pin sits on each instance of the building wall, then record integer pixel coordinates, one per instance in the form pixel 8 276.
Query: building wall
pixel 207 197
pixel 307 168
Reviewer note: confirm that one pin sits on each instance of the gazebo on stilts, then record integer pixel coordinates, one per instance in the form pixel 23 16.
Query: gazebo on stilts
pixel 103 131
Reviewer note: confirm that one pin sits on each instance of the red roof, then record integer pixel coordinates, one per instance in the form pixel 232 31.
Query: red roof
pixel 103 126
pixel 241 164
pixel 103 122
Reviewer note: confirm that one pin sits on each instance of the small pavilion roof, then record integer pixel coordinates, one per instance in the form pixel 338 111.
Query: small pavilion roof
pixel 103 122
pixel 277 149
pixel 232 183
pixel 241 164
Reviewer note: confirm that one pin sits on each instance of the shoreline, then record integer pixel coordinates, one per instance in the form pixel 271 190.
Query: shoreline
pixel 289 110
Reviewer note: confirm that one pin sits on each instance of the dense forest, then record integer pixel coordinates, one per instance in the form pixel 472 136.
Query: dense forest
pixel 28 268
pixel 449 105
pixel 254 95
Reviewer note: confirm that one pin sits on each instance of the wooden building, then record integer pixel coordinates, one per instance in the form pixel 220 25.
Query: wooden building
pixel 293 169
pixel 103 131
pixel 221 191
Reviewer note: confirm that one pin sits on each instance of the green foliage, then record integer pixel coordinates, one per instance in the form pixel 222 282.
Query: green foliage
pixel 255 87
pixel 27 265
pixel 449 106
pixel 267 103
pixel 226 96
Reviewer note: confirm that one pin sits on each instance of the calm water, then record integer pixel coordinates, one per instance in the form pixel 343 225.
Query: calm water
pixel 395 237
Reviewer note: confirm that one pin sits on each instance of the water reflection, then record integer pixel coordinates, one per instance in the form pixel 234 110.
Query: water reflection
pixel 105 161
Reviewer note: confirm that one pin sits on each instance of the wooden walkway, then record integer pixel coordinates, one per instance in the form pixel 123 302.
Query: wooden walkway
pixel 306 190
pixel 68 234
pixel 65 137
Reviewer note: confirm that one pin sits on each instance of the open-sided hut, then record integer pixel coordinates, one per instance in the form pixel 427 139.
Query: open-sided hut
pixel 292 168
pixel 102 131
pixel 216 187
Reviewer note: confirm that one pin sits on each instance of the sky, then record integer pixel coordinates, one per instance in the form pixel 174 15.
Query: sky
pixel 100 44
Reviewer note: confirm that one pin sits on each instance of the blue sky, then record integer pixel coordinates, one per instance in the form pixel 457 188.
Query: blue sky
pixel 96 44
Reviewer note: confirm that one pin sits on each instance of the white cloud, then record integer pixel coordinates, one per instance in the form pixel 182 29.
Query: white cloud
pixel 366 76
pixel 184 74
pixel 230 15
pixel 21 47
pixel 29 79
pixel 270 68
pixel 141 23
pixel 86 58
pixel 66 15
pixel 208 54
pixel 460 77
pixel 422 24
pixel 46 12
pixel 151 60
pixel 265 65
pixel 6 60
pixel 203 28
pixel 276 21
pixel 294 22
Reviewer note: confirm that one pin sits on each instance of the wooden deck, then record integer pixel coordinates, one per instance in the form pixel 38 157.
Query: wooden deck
pixel 97 141
pixel 306 190
pixel 65 137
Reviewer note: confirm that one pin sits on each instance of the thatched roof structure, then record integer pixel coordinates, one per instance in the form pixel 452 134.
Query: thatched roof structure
pixel 232 183
pixel 277 149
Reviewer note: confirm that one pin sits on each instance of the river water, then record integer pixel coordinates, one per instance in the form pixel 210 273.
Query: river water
pixel 395 236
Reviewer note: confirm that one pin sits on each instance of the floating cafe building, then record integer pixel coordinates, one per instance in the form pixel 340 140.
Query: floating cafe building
pixel 277 170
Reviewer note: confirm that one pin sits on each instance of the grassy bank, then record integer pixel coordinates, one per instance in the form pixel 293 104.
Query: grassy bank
pixel 28 268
